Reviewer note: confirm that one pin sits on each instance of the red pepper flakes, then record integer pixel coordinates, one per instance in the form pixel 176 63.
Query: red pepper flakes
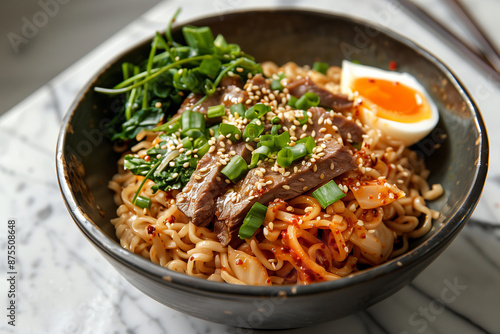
pixel 393 65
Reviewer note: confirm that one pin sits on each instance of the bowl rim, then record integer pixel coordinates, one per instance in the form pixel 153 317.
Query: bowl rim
pixel 179 280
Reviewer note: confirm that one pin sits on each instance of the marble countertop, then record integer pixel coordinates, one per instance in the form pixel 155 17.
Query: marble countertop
pixel 64 286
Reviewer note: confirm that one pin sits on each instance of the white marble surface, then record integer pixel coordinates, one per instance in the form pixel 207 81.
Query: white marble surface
pixel 65 286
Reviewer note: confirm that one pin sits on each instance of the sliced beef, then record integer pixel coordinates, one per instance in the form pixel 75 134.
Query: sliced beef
pixel 337 102
pixel 348 129
pixel 229 93
pixel 233 206
pixel 197 199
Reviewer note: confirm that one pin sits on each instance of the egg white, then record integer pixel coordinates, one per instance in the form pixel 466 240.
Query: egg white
pixel 408 133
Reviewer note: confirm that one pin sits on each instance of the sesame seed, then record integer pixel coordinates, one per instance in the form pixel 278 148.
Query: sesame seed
pixel 286 187
pixel 289 208
pixel 228 181
pixel 171 164
pixel 197 177
pixel 305 188
pixel 185 165
pixel 322 176
pixel 332 166
pixel 315 168
pixel 322 130
pixel 346 249
pixel 313 133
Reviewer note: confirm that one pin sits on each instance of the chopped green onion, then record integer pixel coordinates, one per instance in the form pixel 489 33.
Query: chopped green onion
pixel 299 150
pixel 253 130
pixel 309 143
pixel 143 202
pixel 199 38
pixel 357 146
pixel 285 157
pixel 202 151
pixel 229 129
pixel 307 101
pixel 192 120
pixel 320 67
pixel 283 139
pixel 257 111
pixel 305 119
pixel 267 140
pixel 253 220
pixel 276 120
pixel 213 131
pixel 187 143
pixel 216 111
pixel 276 85
pixel 238 108
pixel 275 129
pixel 199 142
pixel 210 67
pixel 328 194
pixel 292 101
pixel 235 169
pixel 259 154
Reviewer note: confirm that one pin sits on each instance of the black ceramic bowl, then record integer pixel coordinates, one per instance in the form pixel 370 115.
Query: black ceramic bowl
pixel 86 161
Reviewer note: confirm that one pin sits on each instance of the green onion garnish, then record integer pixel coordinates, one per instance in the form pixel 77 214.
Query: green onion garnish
pixel 229 129
pixel 257 111
pixel 292 101
pixel 235 169
pixel 276 85
pixel 307 101
pixel 199 38
pixel 328 194
pixel 258 155
pixel 308 142
pixel 305 119
pixel 253 220
pixel 143 202
pixel 216 111
pixel 267 140
pixel 282 140
pixel 320 67
pixel 285 157
pixel 192 120
pixel 253 130
pixel 238 108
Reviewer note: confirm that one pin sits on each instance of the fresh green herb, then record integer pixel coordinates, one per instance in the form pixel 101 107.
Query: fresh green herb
pixel 253 220
pixel 155 88
pixel 328 194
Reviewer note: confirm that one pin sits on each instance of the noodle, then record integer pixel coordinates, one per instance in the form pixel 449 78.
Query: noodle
pixel 299 242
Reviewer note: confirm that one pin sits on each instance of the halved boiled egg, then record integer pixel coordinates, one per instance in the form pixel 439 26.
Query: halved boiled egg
pixel 396 103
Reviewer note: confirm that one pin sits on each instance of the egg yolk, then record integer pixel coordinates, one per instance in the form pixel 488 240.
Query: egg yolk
pixel 392 100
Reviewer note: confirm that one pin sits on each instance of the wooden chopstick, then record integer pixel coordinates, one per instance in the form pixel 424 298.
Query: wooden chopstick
pixel 488 49
pixel 447 35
